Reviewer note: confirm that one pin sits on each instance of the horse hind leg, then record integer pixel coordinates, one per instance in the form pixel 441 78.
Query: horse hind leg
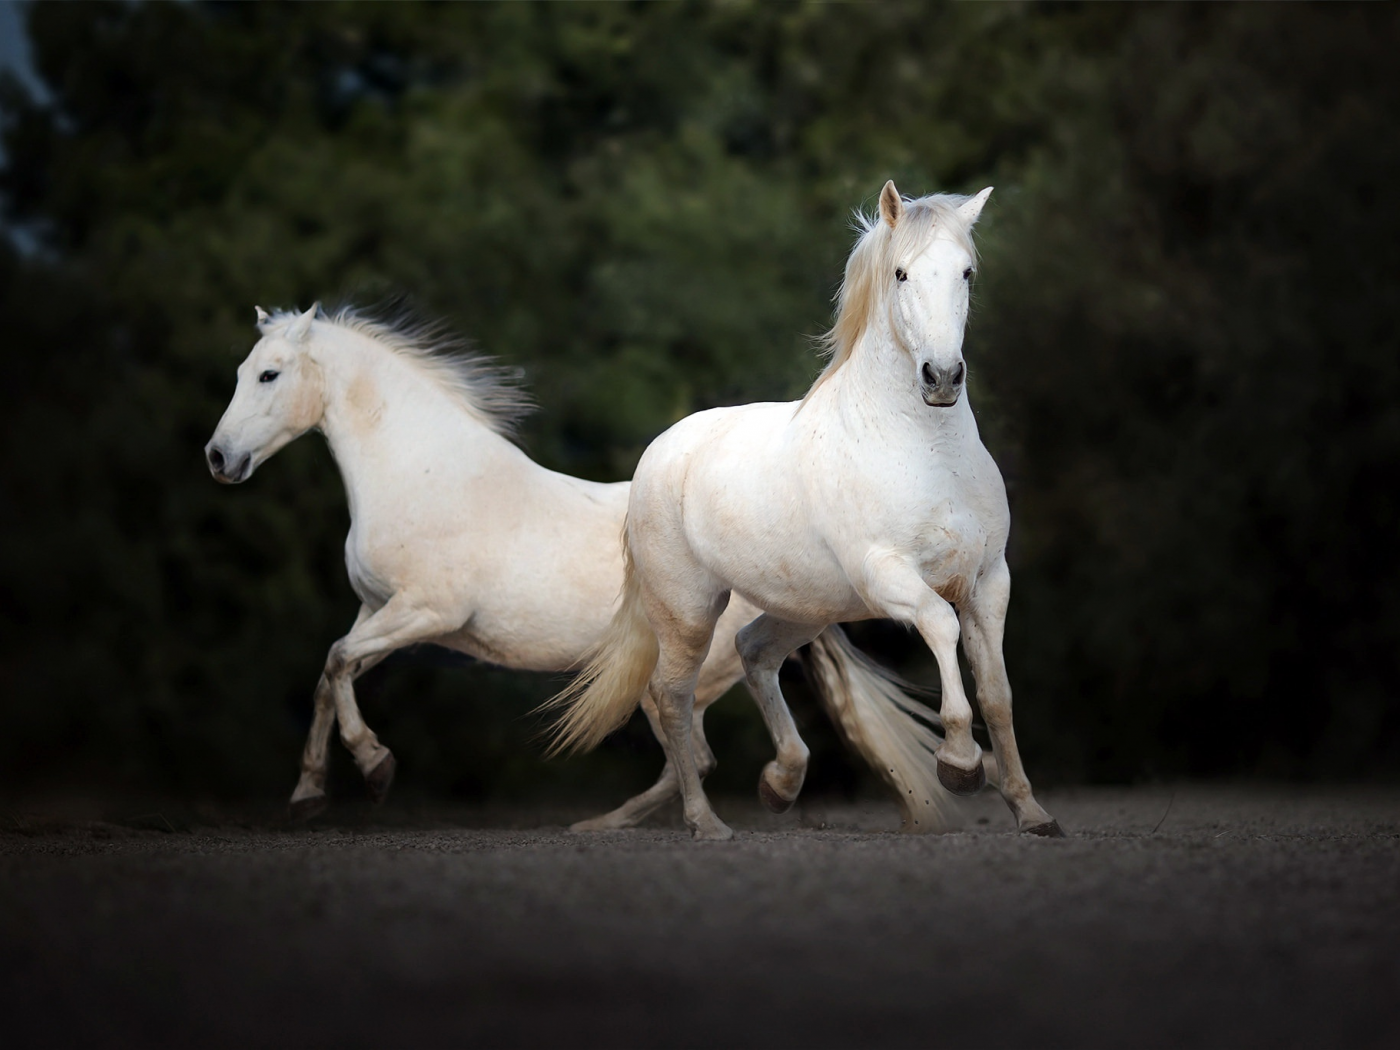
pixel 763 646
pixel 639 807
pixel 667 786
pixel 684 633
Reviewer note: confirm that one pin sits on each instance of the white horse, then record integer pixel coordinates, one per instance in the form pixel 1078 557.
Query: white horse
pixel 458 538
pixel 873 496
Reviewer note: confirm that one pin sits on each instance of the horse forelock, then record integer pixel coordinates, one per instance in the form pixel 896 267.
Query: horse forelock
pixel 484 388
pixel 870 268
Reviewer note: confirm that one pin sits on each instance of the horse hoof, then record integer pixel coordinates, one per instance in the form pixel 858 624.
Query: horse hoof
pixel 303 809
pixel 379 779
pixel 1048 830
pixel 772 801
pixel 961 781
pixel 718 831
pixel 597 824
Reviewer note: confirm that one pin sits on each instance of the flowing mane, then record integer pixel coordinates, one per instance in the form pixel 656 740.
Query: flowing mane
pixel 489 391
pixel 870 268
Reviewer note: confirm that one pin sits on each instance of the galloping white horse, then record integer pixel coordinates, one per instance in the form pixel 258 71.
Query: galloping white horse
pixel 873 496
pixel 458 538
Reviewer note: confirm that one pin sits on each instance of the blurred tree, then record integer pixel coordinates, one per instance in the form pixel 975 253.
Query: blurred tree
pixel 1183 349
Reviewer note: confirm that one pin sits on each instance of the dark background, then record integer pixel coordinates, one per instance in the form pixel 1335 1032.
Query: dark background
pixel 1183 350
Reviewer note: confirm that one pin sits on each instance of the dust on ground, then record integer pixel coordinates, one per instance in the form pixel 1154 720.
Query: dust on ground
pixel 1197 916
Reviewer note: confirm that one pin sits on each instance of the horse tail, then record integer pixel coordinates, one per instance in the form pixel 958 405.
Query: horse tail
pixel 888 727
pixel 611 684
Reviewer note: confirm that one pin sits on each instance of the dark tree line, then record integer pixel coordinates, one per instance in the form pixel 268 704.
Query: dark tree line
pixel 1183 347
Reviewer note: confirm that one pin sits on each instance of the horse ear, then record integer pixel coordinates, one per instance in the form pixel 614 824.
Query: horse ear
pixel 263 316
pixel 971 208
pixel 891 204
pixel 298 330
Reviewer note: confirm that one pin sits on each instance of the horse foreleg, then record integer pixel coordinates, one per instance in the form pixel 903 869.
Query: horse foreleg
pixel 982 626
pixel 895 588
pixel 399 623
pixel 763 646
pixel 309 798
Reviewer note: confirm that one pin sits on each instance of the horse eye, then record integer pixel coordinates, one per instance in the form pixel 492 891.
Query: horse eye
pixel 967 274
pixel 900 275
pixel 268 376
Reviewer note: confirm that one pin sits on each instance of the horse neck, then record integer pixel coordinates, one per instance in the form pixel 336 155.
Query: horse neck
pixel 384 419
pixel 876 392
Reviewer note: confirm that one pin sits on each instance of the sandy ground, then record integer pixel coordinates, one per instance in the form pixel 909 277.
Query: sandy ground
pixel 1249 918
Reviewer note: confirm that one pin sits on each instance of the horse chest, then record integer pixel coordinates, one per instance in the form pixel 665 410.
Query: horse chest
pixel 370 567
pixel 950 550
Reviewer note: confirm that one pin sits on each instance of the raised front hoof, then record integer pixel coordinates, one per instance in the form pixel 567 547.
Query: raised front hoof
pixel 302 810
pixel 772 801
pixel 1049 830
pixel 961 781
pixel 380 779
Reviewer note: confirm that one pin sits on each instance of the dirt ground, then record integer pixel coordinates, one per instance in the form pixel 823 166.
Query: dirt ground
pixel 1250 917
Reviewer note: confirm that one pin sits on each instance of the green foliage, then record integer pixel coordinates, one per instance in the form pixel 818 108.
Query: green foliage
pixel 1182 351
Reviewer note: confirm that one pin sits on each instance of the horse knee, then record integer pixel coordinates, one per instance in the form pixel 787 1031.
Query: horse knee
pixel 939 625
pixel 336 664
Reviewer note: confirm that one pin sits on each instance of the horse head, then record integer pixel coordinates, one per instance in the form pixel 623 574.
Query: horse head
pixel 280 396
pixel 929 262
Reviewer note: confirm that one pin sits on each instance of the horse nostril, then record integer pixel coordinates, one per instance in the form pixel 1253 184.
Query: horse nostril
pixel 216 459
pixel 958 374
pixel 929 378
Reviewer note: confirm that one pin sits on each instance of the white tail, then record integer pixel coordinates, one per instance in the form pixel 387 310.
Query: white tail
pixel 889 728
pixel 611 684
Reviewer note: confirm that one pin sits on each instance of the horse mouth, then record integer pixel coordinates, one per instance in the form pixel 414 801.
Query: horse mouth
pixel 928 400
pixel 232 475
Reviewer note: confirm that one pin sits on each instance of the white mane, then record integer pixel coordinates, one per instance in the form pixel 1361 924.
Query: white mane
pixel 870 268
pixel 489 391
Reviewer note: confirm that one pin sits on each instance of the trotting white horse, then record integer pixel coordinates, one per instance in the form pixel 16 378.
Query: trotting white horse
pixel 458 538
pixel 873 496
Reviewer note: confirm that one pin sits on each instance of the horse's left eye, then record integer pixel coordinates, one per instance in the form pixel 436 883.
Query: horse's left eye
pixel 268 376
pixel 900 275
pixel 967 274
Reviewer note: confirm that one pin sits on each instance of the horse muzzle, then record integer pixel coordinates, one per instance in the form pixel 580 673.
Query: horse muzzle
pixel 941 387
pixel 227 469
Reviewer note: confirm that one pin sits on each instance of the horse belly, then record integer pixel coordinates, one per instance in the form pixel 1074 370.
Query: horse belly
pixel 792 577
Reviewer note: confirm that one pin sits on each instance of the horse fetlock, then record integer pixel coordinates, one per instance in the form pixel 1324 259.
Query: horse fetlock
pixel 966 754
